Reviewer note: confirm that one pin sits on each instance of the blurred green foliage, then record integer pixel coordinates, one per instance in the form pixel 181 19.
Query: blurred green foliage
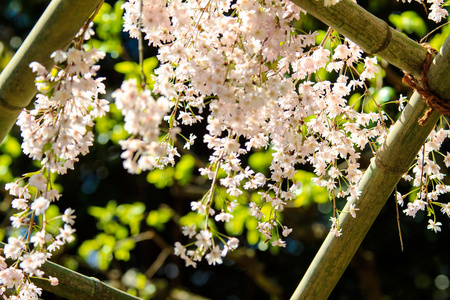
pixel 117 224
pixel 110 127
pixel 159 217
pixel 132 70
pixel 309 192
pixel 109 25
pixel 439 38
pixel 409 22
pixel 182 173
pixel 10 149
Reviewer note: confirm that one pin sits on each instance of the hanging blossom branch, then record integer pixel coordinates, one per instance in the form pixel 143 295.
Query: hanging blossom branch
pixel 437 10
pixel 427 180
pixel 55 132
pixel 252 70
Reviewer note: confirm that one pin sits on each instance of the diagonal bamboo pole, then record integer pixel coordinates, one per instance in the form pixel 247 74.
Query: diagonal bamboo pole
pixel 55 30
pixel 376 186
pixel 75 286
pixel 385 169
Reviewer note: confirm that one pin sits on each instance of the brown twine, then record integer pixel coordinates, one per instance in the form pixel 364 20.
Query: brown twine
pixel 421 86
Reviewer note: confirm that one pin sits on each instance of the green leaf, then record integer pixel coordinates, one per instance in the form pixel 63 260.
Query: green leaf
pixel 193 218
pixel 2 233
pixel 87 247
pixel 309 192
pixel 114 228
pixel 126 67
pixel 184 169
pixel 149 65
pixel 438 39
pixel 103 214
pixel 104 9
pixel 118 133
pixel 253 237
pixel 131 215
pixel 157 218
pixel 260 161
pixel 161 178
pixel 105 253
pixel 355 101
pixel 53 212
pixel 236 225
pixel 369 104
pixel 409 22
pixel 5 172
pixel 123 248
pixel 385 94
pixel 141 281
pixel 96 211
pixel 11 146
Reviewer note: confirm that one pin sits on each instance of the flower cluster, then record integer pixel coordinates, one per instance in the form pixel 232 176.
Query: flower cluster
pixel 204 244
pixel 143 117
pixel 246 63
pixel 437 11
pixel 55 132
pixel 427 181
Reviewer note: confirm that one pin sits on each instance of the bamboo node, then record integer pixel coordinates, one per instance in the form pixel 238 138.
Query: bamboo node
pixel 379 163
pixel 9 107
pixel 434 102
pixel 387 39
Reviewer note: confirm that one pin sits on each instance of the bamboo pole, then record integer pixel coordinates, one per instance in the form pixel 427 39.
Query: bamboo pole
pixel 378 182
pixel 75 286
pixel 55 29
pixel 376 186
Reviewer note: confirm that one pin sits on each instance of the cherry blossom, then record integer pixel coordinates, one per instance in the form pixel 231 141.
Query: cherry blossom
pixel 255 70
pixel 244 65
pixel 55 132
pixel 435 226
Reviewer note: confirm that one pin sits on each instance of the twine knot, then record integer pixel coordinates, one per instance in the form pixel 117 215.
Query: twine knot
pixel 421 86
